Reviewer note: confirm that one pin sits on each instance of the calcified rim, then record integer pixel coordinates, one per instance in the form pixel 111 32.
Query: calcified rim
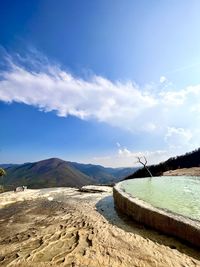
pixel 162 220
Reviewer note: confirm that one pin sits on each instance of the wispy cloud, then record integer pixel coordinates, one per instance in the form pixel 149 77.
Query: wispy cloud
pixel 36 81
pixel 178 133
pixel 50 88
pixel 163 79
pixel 127 158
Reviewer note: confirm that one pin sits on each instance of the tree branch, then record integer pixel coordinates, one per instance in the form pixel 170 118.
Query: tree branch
pixel 144 164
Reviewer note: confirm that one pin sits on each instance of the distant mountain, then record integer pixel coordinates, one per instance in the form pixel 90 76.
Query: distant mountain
pixel 56 172
pixel 120 173
pixel 102 174
pixel 98 173
pixel 8 165
pixel 189 160
pixel 46 173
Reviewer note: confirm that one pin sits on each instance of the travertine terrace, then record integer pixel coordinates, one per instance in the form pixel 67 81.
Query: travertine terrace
pixel 158 219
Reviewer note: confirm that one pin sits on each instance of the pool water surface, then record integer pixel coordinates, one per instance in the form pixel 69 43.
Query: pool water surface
pixel 179 194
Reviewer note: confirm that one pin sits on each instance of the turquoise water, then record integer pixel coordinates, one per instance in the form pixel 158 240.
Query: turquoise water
pixel 179 194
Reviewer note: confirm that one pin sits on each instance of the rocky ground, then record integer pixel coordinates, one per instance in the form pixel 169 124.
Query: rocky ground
pixel 195 171
pixel 66 227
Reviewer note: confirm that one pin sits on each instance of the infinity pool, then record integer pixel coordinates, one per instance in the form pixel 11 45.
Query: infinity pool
pixel 179 194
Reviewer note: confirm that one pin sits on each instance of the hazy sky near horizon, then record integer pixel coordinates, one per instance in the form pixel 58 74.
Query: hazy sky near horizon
pixel 99 81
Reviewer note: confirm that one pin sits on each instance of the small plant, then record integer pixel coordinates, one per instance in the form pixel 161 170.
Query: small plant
pixel 1 189
pixel 2 173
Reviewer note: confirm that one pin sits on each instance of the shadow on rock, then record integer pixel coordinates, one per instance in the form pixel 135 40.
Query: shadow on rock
pixel 107 209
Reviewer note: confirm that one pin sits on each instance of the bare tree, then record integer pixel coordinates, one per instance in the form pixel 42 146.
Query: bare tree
pixel 144 164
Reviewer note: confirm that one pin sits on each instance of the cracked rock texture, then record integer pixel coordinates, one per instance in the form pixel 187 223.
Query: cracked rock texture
pixel 65 227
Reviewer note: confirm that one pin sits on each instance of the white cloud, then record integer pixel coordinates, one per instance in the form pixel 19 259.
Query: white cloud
pixel 178 136
pixel 127 158
pixel 118 144
pixel 173 98
pixel 163 79
pixel 115 103
pixel 161 112
pixel 124 152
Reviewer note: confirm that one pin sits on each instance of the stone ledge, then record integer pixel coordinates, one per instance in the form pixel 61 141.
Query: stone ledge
pixel 158 219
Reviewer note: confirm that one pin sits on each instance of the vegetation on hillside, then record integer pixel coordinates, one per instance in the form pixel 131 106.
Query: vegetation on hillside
pixel 56 172
pixel 188 160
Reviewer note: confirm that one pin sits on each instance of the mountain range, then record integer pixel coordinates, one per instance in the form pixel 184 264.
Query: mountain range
pixel 56 172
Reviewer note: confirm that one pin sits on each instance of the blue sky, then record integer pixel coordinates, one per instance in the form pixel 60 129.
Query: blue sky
pixel 99 81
